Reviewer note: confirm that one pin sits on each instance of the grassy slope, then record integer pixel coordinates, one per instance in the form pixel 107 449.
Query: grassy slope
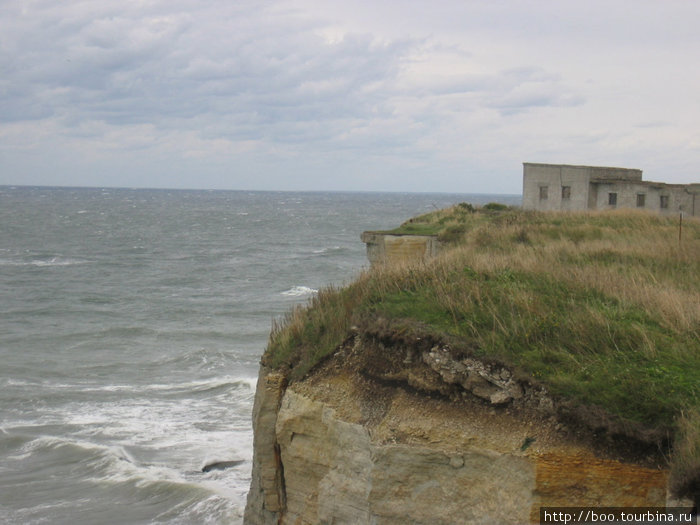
pixel 603 308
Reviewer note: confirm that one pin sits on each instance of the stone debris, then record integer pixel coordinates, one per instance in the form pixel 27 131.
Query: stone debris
pixel 493 384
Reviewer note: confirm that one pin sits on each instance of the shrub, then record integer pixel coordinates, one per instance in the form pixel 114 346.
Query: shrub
pixel 495 206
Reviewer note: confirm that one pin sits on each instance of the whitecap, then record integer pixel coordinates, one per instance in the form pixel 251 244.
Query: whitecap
pixel 54 261
pixel 245 385
pixel 299 291
pixel 326 250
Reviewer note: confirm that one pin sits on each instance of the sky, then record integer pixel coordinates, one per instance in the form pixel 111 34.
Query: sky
pixel 338 95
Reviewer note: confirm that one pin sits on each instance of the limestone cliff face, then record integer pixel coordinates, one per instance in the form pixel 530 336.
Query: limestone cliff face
pixel 266 498
pixel 411 434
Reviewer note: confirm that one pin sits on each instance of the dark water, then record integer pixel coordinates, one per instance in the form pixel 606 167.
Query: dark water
pixel 131 325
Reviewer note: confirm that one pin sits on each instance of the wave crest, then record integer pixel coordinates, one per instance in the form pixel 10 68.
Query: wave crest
pixel 299 291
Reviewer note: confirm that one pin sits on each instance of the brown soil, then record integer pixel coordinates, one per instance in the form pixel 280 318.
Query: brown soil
pixel 377 378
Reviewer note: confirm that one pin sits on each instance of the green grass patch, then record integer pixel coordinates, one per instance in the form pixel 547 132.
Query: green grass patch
pixel 585 345
pixel 450 224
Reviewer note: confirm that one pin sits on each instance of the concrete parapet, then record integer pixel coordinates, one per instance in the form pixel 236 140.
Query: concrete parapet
pixel 386 248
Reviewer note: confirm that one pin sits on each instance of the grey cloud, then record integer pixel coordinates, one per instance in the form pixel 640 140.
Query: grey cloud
pixel 249 82
pixel 237 71
pixel 525 88
pixel 238 67
pixel 509 92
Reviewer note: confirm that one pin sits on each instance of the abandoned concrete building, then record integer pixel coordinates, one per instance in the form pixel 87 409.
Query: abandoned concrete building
pixel 565 187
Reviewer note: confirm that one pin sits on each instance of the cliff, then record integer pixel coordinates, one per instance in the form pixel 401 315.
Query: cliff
pixel 408 434
pixel 374 405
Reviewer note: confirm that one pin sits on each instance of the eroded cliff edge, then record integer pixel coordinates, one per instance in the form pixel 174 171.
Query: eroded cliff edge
pixel 397 428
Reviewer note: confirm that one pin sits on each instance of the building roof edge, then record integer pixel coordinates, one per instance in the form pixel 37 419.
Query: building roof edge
pixel 579 166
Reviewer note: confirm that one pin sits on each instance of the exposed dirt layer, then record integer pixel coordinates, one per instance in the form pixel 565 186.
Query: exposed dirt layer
pixel 408 386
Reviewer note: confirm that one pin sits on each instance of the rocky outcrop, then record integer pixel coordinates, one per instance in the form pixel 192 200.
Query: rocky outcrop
pixel 417 434
pixel 266 497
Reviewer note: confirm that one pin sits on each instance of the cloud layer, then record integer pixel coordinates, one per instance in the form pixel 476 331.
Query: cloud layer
pixel 407 96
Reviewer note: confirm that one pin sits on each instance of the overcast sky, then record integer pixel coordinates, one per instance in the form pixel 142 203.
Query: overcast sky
pixel 389 95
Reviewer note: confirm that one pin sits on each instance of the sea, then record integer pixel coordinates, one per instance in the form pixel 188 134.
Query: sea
pixel 132 322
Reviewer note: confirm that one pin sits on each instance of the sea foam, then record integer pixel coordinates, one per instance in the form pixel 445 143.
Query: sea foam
pixel 299 291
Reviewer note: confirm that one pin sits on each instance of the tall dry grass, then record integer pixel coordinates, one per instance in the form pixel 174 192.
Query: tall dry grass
pixel 640 262
pixel 685 463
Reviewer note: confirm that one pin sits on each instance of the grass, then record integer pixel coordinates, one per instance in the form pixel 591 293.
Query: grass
pixel 448 224
pixel 603 308
pixel 685 465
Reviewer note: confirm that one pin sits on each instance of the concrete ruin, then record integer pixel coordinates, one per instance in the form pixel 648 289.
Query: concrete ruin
pixel 389 248
pixel 563 187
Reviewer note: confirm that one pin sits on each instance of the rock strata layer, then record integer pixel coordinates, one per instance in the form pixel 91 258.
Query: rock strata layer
pixel 430 439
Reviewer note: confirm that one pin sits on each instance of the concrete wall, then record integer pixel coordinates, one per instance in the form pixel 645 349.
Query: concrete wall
pixel 626 195
pixel 383 248
pixel 554 178
pixel 598 173
pixel 548 187
pixel 677 196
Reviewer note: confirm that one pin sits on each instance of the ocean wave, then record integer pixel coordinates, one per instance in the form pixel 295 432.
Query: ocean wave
pixel 322 251
pixel 101 463
pixel 112 462
pixel 299 291
pixel 44 262
pixel 11 442
pixel 9 381
pixel 183 429
pixel 104 475
pixel 55 453
pixel 223 383
pixel 210 387
pixel 202 359
pixel 116 463
pixel 213 510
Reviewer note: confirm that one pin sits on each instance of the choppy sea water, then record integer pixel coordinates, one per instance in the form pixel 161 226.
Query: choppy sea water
pixel 131 327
